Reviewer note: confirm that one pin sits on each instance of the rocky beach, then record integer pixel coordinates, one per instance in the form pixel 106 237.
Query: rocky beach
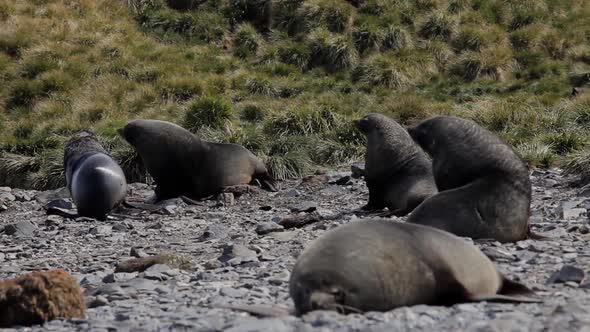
pixel 240 248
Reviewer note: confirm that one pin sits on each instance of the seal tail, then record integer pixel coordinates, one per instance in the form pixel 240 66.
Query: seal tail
pixel 511 291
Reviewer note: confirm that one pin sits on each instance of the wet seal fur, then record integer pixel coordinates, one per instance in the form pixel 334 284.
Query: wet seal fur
pixel 379 265
pixel 96 182
pixel 397 172
pixel 485 189
pixel 184 165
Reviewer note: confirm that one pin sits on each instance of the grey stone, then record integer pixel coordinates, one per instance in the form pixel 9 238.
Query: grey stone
pixel 6 196
pixel 268 227
pixel 21 196
pixel 235 254
pixel 305 207
pixel 157 272
pixel 567 273
pixel 53 220
pixel 20 228
pixel 138 253
pixel 102 230
pixel 98 301
pixel 60 203
pixel 233 292
pixel 292 193
pixel 118 277
pixel 226 199
pixel 358 171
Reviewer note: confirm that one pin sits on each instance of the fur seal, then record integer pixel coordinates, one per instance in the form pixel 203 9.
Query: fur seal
pixel 397 172
pixel 184 165
pixel 485 189
pixel 95 181
pixel 379 265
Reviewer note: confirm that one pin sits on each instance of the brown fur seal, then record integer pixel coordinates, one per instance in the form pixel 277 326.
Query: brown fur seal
pixel 95 181
pixel 380 265
pixel 485 190
pixel 397 172
pixel 184 165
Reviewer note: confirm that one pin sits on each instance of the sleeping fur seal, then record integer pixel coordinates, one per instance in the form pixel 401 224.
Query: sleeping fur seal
pixel 184 165
pixel 95 181
pixel 380 265
pixel 397 172
pixel 485 190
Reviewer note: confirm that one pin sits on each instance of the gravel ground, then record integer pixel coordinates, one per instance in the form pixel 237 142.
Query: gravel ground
pixel 238 253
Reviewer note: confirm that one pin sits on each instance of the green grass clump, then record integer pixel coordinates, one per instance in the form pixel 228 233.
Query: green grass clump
pixel 180 88
pixel 246 41
pixel 536 154
pixel 333 51
pixel 210 111
pixel 438 25
pixel 335 15
pixel 579 163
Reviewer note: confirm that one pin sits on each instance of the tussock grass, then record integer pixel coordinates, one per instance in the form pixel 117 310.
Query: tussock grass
pixel 285 77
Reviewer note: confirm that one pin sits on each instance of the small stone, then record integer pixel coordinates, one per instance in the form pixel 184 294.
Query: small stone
pixel 569 210
pixel 292 193
pixel 21 228
pixel 236 254
pixel 358 171
pixel 305 207
pixel 226 199
pixel 118 277
pixel 157 272
pixel 570 256
pixel 343 181
pixel 121 227
pixel 268 227
pixel 233 292
pixel 6 196
pixel 98 301
pixel 53 220
pixel 137 253
pixel 141 264
pixel 212 265
pixel 3 207
pixel 21 196
pixel 60 203
pixel 102 230
pixel 567 273
pixel 583 229
pixel 213 231
pixel 265 208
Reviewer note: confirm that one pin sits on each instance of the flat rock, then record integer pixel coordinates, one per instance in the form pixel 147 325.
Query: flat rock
pixel 567 273
pixel 268 227
pixel 235 254
pixel 21 228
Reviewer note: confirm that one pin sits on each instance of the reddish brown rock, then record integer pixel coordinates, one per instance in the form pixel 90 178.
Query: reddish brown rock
pixel 39 297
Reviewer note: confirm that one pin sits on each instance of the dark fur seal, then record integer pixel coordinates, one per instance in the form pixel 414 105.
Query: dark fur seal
pixel 184 165
pixel 397 172
pixel 485 189
pixel 95 181
pixel 380 265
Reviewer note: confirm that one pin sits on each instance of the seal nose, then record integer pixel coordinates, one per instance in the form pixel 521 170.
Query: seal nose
pixel 322 301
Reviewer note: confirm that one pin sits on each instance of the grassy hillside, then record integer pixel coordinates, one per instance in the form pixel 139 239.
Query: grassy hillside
pixel 280 75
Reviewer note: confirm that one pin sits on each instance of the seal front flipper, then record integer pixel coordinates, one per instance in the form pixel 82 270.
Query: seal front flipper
pixel 259 310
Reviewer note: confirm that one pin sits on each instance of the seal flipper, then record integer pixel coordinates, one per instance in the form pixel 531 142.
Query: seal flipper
pixel 259 310
pixel 511 291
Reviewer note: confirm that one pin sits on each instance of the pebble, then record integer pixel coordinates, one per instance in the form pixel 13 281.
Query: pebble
pixel 21 228
pixel 268 227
